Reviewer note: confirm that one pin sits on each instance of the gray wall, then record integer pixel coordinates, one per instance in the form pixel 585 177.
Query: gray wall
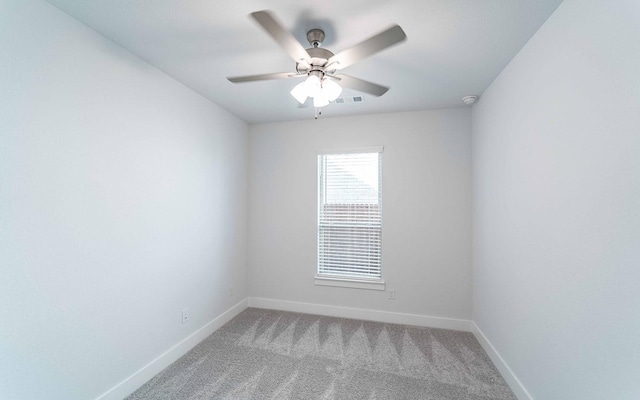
pixel 122 201
pixel 426 210
pixel 556 206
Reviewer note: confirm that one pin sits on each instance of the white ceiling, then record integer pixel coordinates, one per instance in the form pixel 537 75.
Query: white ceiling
pixel 454 47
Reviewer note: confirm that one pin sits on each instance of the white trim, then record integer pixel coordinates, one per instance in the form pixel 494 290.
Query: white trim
pixel 144 374
pixel 359 313
pixel 349 283
pixel 350 150
pixel 512 380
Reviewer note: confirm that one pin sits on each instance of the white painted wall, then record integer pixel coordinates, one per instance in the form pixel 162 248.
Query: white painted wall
pixel 556 188
pixel 426 210
pixel 122 201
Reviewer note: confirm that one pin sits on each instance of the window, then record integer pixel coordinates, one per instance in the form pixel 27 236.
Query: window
pixel 350 218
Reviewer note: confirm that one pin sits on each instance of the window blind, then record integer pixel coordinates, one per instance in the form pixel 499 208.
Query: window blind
pixel 350 215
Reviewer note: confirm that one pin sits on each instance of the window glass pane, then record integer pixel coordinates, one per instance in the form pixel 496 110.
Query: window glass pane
pixel 349 215
pixel 352 178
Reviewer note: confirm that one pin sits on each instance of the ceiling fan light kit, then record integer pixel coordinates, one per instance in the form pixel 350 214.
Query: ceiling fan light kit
pixel 322 89
pixel 320 65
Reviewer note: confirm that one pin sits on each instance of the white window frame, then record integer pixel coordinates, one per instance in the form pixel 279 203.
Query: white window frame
pixel 343 281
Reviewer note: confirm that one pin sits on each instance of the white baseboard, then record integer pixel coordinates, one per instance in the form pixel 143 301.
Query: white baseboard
pixel 359 313
pixel 512 380
pixel 144 374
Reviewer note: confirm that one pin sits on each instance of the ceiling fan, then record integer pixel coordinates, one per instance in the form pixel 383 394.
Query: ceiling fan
pixel 320 66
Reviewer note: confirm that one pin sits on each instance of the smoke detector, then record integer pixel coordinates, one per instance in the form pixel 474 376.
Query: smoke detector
pixel 468 100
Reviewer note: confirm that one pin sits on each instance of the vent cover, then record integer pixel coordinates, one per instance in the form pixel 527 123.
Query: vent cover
pixel 350 100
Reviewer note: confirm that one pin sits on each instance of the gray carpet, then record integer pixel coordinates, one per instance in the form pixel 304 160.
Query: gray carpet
pixel 265 354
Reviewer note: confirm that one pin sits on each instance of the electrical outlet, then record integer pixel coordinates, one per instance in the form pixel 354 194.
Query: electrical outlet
pixel 230 291
pixel 185 315
pixel 392 294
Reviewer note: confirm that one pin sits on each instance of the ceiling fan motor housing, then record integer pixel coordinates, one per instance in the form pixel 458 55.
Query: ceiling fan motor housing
pixel 319 57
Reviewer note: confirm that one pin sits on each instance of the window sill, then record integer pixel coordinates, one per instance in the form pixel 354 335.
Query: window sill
pixel 368 284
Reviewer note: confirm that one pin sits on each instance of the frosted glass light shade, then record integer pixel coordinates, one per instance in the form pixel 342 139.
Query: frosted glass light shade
pixel 320 99
pixel 331 89
pixel 313 85
pixel 299 92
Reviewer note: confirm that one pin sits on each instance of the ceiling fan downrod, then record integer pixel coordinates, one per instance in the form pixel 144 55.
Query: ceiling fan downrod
pixel 315 37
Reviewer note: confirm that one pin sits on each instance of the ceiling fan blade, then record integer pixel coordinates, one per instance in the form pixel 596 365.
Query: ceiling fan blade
pixel 263 77
pixel 374 44
pixel 361 85
pixel 285 39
